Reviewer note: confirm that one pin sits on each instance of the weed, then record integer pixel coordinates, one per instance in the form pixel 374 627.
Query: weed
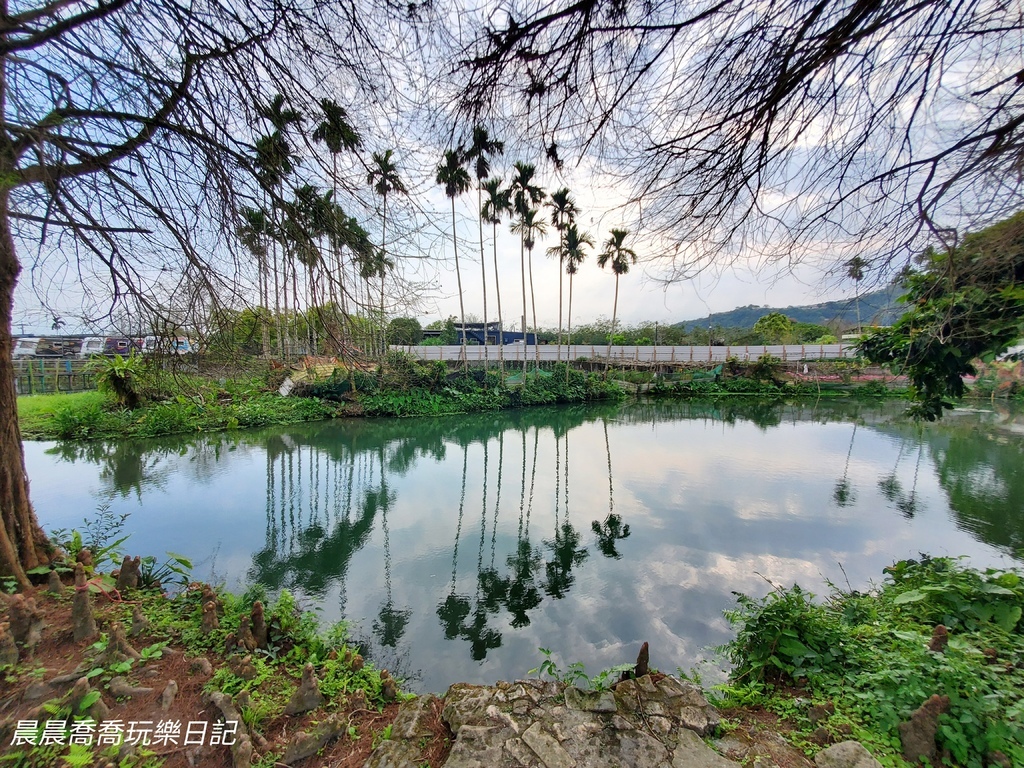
pixel 869 655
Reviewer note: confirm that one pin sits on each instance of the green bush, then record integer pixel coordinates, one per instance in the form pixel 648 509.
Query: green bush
pixel 869 655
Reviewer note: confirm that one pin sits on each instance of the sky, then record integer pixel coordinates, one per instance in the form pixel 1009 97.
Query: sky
pixel 423 252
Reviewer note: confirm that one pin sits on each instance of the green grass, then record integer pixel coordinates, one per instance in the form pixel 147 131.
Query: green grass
pixel 36 412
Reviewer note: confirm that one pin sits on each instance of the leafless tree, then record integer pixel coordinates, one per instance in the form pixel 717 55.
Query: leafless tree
pixel 784 128
pixel 126 143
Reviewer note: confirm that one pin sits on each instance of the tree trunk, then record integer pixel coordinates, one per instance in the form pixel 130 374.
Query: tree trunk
pixel 533 308
pixel 568 335
pixel 23 545
pixel 559 355
pixel 458 278
pixel 497 291
pixel 483 269
pixel 611 335
pixel 522 267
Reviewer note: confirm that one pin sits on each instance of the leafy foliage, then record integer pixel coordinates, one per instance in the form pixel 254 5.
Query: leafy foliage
pixel 122 377
pixel 963 304
pixel 869 655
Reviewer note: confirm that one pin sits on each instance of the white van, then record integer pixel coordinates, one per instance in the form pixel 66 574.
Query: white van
pixel 25 347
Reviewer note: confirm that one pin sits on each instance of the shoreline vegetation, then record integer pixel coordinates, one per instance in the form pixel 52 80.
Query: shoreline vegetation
pixel 138 399
pixel 927 665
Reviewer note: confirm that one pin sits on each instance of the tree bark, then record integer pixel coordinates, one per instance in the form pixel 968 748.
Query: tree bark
pixel 23 545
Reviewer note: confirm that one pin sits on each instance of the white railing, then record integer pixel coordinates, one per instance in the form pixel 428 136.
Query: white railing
pixel 552 352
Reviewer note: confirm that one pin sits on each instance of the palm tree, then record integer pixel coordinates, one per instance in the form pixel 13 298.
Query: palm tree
pixel 620 258
pixel 497 204
pixel 383 176
pixel 274 163
pixel 563 213
pixel 525 196
pixel 338 135
pixel 529 226
pixel 455 180
pixel 482 148
pixel 855 271
pixel 254 233
pixel 575 253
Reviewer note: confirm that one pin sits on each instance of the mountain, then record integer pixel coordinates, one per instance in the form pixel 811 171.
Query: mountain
pixel 876 308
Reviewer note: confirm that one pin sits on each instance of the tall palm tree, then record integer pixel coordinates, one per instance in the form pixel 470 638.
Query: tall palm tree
pixel 576 244
pixel 274 163
pixel 497 204
pixel 384 178
pixel 525 197
pixel 479 155
pixel 620 257
pixel 455 180
pixel 529 226
pixel 338 135
pixel 855 271
pixel 563 213
pixel 254 233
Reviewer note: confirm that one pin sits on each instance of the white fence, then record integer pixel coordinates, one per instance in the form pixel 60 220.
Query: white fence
pixel 551 353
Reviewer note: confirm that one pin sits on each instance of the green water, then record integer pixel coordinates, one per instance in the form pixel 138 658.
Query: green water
pixel 458 546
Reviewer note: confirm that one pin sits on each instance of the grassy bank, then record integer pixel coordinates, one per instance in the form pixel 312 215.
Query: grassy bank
pixel 165 405
pixel 139 400
pixel 259 670
pixel 857 665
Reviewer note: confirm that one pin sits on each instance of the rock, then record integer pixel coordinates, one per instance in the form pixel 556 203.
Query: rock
pixel 918 734
pixel 821 736
pixel 692 752
pixel 53 583
pixel 940 639
pixel 308 696
pixel 201 666
pixel 304 745
pixel 130 576
pixel 210 621
pixel 8 648
pixel 819 713
pixel 846 754
pixel 167 697
pixel 589 701
pixel 82 620
pixel 85 558
pixel 547 748
pixel 259 626
pixel 530 723
pixel 25 621
pixel 122 689
pixel 140 623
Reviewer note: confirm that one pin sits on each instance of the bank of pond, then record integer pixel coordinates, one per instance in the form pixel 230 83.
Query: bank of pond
pixel 136 399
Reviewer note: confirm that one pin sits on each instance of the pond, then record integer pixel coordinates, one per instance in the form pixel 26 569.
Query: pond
pixel 456 547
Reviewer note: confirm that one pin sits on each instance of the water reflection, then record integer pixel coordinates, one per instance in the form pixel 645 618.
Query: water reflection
pixel 479 538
